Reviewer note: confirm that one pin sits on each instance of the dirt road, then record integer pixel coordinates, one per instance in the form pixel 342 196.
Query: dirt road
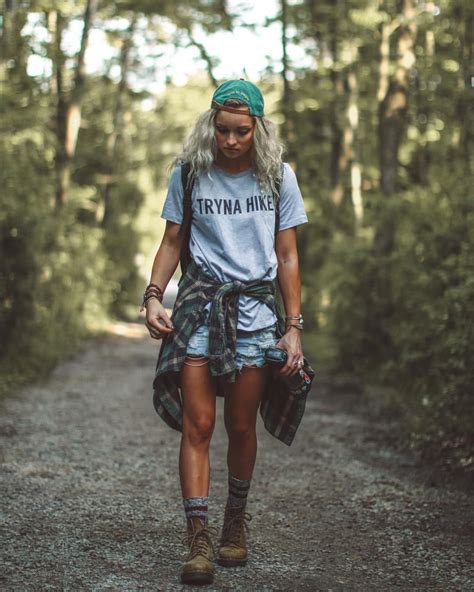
pixel 91 499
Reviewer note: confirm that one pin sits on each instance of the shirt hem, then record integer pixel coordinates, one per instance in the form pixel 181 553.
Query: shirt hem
pixel 171 219
pixel 298 222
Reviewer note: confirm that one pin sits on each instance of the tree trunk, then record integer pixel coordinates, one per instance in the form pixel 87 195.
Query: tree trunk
pixel 57 24
pixel 206 57
pixel 13 46
pixel 393 105
pixel 117 119
pixel 351 144
pixel 6 30
pixel 344 153
pixel 73 122
pixel 421 159
pixel 339 161
pixel 284 71
pixel 464 108
pixel 69 110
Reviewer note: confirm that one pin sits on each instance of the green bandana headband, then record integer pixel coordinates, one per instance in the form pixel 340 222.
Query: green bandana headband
pixel 242 90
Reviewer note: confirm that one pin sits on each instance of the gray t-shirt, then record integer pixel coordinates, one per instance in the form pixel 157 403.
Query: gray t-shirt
pixel 232 235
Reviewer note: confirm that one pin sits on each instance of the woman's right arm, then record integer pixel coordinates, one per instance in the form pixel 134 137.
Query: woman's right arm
pixel 164 265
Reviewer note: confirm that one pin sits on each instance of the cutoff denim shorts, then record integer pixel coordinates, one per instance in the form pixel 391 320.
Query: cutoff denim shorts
pixel 250 345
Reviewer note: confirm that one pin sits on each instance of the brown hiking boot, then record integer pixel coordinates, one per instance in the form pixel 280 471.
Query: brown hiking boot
pixel 199 566
pixel 233 543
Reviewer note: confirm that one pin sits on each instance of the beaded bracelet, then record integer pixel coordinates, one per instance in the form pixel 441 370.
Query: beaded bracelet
pixel 151 285
pixel 150 296
pixel 151 291
pixel 154 292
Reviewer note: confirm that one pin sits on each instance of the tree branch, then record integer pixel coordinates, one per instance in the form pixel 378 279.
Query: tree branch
pixel 205 56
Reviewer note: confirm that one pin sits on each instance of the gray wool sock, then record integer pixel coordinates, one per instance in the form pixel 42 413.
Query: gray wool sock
pixel 196 507
pixel 238 492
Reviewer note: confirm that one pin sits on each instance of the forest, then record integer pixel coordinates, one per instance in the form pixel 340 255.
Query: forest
pixel 377 118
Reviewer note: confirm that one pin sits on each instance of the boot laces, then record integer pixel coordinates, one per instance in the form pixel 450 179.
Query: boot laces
pixel 233 527
pixel 200 541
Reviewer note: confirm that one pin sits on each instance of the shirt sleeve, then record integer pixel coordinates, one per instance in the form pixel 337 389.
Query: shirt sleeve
pixel 292 212
pixel 173 206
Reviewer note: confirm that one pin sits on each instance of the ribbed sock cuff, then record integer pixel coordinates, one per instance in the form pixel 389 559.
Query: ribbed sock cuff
pixel 196 507
pixel 238 492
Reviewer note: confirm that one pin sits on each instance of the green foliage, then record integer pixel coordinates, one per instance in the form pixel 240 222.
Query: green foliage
pixel 121 244
pixel 434 299
pixel 415 336
pixel 65 269
pixel 50 267
pixel 400 317
pixel 62 270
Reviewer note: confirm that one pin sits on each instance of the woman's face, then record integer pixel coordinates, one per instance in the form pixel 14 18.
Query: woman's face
pixel 234 133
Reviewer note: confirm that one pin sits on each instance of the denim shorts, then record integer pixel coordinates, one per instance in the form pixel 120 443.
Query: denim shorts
pixel 250 345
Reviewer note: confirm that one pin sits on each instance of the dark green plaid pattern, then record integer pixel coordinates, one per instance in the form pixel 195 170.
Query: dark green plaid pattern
pixel 280 410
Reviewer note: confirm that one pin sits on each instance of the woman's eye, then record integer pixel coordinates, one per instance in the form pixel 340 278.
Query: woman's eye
pixel 224 130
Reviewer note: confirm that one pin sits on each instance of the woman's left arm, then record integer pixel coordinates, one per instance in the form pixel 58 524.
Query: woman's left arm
pixel 290 287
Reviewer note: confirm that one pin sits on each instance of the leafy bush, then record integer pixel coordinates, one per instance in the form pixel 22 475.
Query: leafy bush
pixel 51 290
pixel 402 320
pixel 51 266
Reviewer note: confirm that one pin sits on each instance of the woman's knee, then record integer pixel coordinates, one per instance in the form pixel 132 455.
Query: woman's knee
pixel 198 430
pixel 240 428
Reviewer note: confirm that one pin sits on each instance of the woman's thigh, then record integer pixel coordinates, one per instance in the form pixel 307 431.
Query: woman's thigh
pixel 242 398
pixel 198 389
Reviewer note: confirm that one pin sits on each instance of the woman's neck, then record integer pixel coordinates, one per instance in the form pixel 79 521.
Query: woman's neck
pixel 230 165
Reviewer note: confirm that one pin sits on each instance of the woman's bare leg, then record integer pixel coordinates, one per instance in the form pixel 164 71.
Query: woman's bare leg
pixel 199 404
pixel 240 415
pixel 242 401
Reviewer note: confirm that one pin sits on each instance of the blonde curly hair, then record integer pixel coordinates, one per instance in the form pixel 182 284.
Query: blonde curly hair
pixel 200 148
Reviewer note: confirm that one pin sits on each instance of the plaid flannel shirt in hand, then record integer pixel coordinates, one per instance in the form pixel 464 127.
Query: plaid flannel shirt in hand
pixel 281 411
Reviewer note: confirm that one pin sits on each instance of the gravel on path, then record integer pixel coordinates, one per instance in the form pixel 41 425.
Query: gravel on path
pixel 91 498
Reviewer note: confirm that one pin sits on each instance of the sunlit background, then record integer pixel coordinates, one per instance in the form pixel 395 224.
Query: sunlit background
pixel 374 103
pixel 250 49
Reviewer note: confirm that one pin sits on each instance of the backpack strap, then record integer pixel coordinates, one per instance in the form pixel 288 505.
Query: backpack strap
pixel 279 308
pixel 187 182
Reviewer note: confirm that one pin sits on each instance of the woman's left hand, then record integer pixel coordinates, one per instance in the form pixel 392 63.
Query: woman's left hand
pixel 291 343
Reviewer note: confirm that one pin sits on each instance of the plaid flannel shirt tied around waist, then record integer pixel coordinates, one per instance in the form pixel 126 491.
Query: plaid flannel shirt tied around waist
pixel 281 411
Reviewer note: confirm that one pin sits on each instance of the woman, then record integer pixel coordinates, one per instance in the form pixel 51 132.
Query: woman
pixel 225 315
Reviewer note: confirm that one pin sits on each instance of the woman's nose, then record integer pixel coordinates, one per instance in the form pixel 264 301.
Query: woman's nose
pixel 231 140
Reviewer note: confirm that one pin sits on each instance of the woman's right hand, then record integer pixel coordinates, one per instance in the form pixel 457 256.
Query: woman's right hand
pixel 157 321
